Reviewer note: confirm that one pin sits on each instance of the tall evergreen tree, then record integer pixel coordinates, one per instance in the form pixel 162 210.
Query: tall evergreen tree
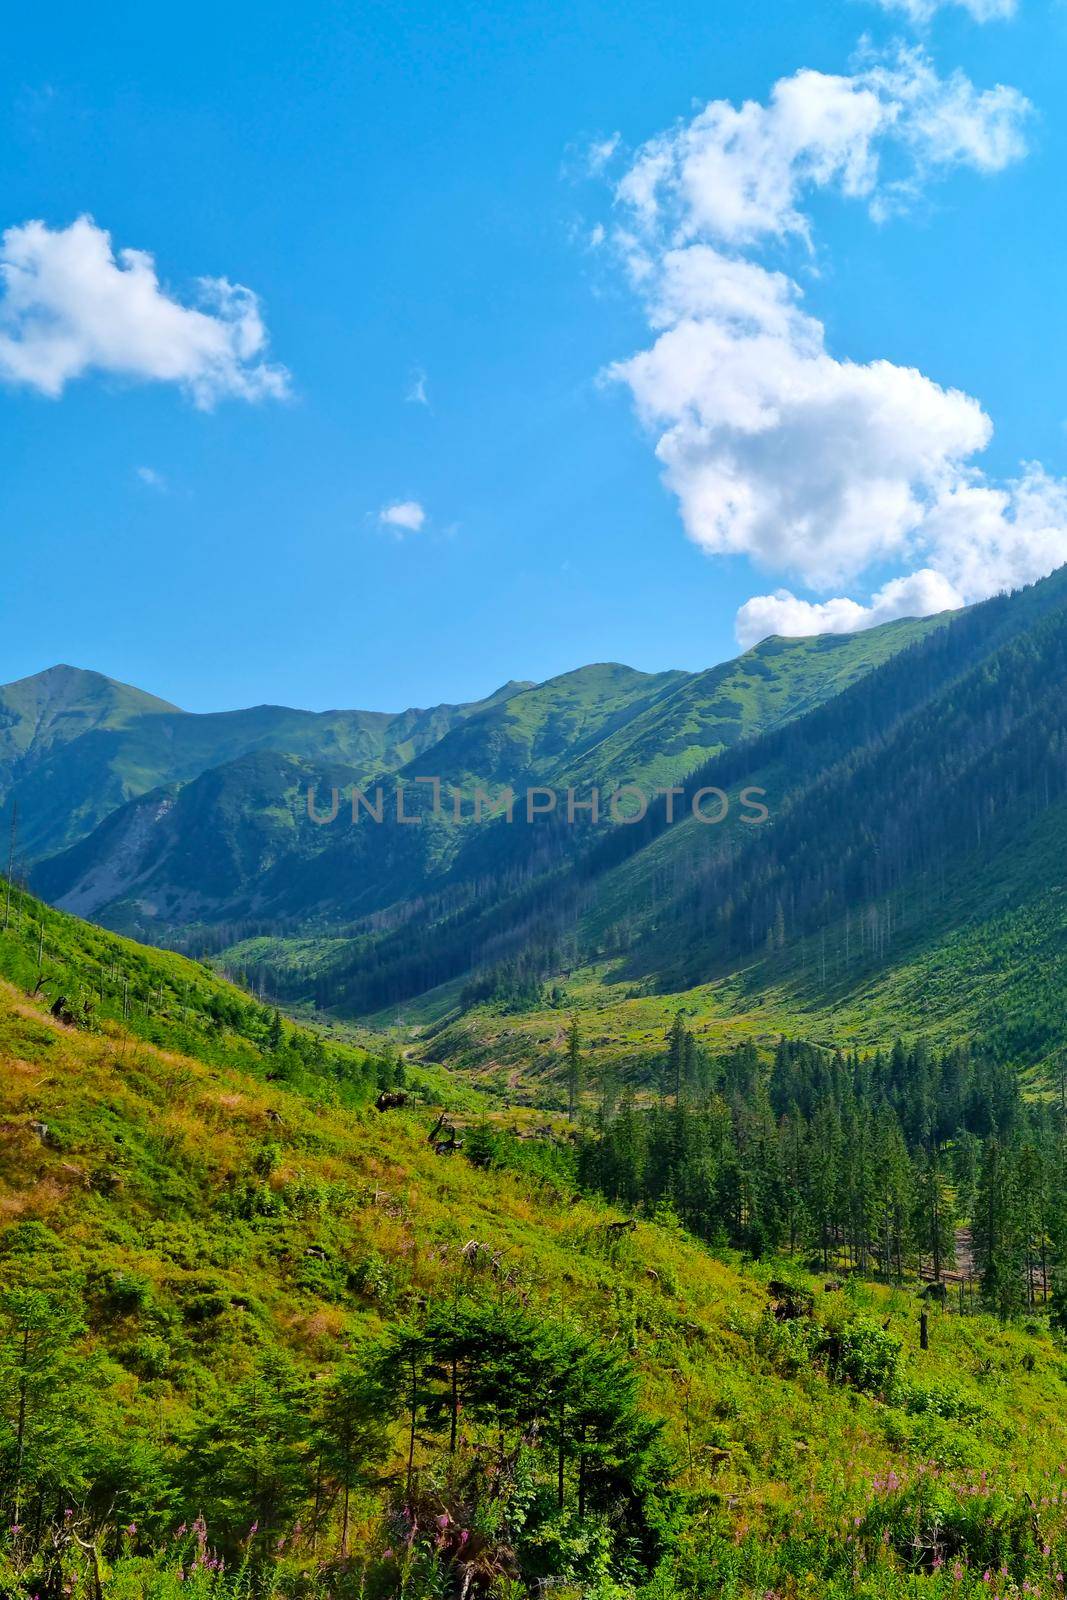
pixel 574 1067
pixel 999 1249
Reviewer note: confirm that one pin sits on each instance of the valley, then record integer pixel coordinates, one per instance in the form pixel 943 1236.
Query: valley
pixel 224 1258
pixel 650 1209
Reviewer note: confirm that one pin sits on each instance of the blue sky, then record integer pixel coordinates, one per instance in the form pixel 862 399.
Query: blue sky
pixel 409 194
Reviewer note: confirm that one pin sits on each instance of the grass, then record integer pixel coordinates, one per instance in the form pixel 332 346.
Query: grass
pixel 977 957
pixel 259 1216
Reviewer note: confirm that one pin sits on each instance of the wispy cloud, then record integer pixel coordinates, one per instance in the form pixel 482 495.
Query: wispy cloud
pixel 600 152
pixel 416 393
pixel 71 305
pixel 403 516
pixel 152 479
pixel 923 11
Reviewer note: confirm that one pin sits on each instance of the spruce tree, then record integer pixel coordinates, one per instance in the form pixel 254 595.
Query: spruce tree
pixel 574 1067
pixel 997 1231
pixel 349 1438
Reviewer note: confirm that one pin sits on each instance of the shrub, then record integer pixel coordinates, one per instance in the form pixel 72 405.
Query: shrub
pixel 123 1294
pixel 927 1524
pixel 942 1400
pixel 863 1355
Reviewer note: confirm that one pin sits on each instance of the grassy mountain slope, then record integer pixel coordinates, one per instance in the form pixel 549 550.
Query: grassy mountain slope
pixel 40 718
pixel 910 877
pixel 608 724
pixel 235 846
pixel 62 704
pixel 75 745
pixel 910 810
pixel 539 734
pixel 775 681
pixel 176 855
pixel 99 983
pixel 211 1223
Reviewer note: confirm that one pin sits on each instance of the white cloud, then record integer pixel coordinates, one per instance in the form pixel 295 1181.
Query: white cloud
pixel 600 152
pixel 968 127
pixel 736 175
pixel 987 537
pixel 980 538
pixel 152 478
pixel 920 594
pixel 698 283
pixel 71 306
pixel 947 122
pixel 816 467
pixel 406 516
pixel 921 11
pixel 416 394
pixel 775 449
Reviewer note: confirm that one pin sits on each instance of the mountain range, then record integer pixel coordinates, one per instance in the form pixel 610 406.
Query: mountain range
pixel 152 819
pixel 711 1195
pixel 913 777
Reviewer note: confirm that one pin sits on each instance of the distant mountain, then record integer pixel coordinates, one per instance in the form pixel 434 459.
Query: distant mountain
pixel 910 878
pixel 75 745
pixel 211 857
pixel 910 870
pixel 608 724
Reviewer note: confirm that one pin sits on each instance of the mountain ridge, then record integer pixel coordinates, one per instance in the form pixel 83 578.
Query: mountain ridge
pixel 168 859
pixel 115 743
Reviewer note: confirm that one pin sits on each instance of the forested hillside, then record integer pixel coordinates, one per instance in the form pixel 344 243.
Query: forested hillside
pixel 258 1336
pixel 913 779
pixel 74 745
pixel 209 858
pixel 910 849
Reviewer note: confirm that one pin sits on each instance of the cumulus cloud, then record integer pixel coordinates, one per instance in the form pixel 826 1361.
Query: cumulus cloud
pixel 981 538
pixel 774 448
pixel 816 467
pixel 920 594
pixel 404 516
pixel 946 122
pixel 737 175
pixel 987 537
pixel 72 305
